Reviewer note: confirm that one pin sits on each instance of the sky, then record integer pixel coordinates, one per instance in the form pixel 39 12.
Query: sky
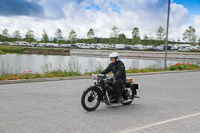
pixel 99 15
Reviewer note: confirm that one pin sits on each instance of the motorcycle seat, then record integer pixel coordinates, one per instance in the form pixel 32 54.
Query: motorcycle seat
pixel 129 80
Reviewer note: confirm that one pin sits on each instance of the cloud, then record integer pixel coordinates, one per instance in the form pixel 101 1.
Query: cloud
pixel 196 22
pixel 54 9
pixel 20 7
pixel 101 16
pixel 179 17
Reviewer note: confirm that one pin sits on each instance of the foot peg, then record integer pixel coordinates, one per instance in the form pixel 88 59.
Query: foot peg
pixel 136 96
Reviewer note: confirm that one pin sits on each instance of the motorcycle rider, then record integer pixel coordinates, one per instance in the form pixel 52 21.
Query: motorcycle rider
pixel 118 69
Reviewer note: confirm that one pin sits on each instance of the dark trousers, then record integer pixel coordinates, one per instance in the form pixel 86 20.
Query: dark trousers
pixel 116 86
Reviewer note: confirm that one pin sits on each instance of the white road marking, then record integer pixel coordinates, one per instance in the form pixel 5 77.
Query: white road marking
pixel 159 123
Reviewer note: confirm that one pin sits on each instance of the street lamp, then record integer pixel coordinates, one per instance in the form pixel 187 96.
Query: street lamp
pixel 166 41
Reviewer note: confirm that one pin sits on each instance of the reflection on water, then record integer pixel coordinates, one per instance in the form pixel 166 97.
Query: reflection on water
pixel 16 63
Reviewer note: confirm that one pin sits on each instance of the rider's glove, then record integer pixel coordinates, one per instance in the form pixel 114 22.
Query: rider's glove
pixel 112 79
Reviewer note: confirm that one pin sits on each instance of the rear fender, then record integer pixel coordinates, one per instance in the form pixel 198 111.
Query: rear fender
pixel 134 88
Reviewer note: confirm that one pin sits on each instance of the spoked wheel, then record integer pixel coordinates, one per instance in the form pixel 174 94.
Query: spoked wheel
pixel 90 99
pixel 130 95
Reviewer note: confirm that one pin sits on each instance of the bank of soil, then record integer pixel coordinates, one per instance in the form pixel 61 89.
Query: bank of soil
pixel 33 50
pixel 62 52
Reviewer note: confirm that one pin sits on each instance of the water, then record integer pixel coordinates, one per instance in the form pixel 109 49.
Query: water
pixel 16 63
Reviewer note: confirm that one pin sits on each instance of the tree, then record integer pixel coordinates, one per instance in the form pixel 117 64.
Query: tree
pixel 45 37
pixel 90 34
pixel 136 36
pixel 72 36
pixel 145 40
pixel 58 37
pixel 114 32
pixel 178 40
pixel 16 35
pixel 113 35
pixel 29 36
pixel 94 40
pixel 160 33
pixel 146 37
pixel 189 35
pixel 122 38
pixel 199 40
pixel 5 35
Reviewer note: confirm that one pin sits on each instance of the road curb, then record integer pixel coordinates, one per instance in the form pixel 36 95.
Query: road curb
pixel 85 77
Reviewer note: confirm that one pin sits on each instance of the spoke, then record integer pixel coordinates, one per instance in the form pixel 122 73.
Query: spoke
pixel 94 101
pixel 87 94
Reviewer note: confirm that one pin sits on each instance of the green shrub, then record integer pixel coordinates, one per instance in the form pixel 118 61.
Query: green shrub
pixel 183 66
pixel 172 68
pixel 1 52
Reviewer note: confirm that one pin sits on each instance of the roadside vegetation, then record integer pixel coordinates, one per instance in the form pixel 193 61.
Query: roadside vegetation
pixel 73 70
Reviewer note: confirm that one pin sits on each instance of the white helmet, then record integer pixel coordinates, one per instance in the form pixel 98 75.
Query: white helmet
pixel 114 55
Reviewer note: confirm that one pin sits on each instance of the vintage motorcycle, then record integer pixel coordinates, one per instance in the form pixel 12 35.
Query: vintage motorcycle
pixel 102 91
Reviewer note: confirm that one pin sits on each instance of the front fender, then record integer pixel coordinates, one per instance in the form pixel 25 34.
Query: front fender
pixel 97 89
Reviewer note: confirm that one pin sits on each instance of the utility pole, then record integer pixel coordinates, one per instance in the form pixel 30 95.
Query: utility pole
pixel 166 41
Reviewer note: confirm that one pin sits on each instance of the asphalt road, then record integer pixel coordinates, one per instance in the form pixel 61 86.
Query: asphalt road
pixel 169 103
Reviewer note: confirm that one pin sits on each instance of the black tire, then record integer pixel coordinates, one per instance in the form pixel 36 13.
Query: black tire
pixel 131 97
pixel 90 97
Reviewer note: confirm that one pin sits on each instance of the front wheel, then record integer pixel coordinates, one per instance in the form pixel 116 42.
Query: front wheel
pixel 90 99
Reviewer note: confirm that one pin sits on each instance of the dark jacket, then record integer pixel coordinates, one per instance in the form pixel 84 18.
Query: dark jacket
pixel 118 69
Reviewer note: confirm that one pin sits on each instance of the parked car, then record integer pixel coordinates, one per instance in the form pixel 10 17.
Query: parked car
pixel 11 44
pixel 128 47
pixel 160 47
pixel 34 44
pixel 120 46
pixel 138 46
pixel 150 47
pixel 65 45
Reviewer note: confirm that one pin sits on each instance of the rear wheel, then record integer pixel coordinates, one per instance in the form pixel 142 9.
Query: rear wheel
pixel 130 94
pixel 90 99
